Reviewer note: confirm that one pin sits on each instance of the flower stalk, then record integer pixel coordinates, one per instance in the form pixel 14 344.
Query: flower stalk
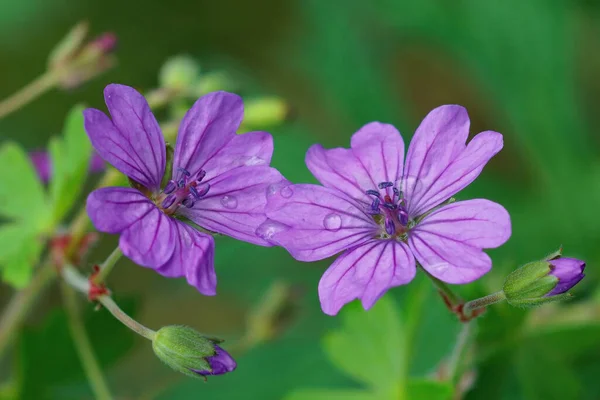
pixel 483 302
pixel 28 93
pixel 108 265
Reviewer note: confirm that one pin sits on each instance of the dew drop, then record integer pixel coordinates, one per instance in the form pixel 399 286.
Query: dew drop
pixel 229 202
pixel 254 161
pixel 332 222
pixel 268 229
pixel 286 192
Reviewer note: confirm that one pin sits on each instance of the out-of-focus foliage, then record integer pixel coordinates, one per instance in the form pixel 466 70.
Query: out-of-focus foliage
pixel 528 69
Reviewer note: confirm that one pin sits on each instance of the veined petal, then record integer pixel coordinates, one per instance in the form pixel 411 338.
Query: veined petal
pixel 249 149
pixel 366 272
pixel 313 222
pixel 193 257
pixel 449 242
pixel 132 142
pixel 235 203
pixel 438 140
pixel 376 156
pixel 114 209
pixel 151 240
pixel 206 129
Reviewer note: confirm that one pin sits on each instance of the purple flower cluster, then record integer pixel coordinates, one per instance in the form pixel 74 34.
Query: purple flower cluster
pixel 218 182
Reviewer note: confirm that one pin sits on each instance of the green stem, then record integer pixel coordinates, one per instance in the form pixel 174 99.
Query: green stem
pixel 454 363
pixel 483 302
pixel 28 93
pixel 108 265
pixel 83 346
pixel 81 284
pixel 448 294
pixel 21 303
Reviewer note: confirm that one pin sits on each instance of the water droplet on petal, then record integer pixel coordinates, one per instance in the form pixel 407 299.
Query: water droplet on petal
pixel 439 268
pixel 332 222
pixel 229 202
pixel 255 161
pixel 286 192
pixel 268 229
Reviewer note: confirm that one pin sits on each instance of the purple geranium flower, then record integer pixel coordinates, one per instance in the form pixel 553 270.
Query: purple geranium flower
pixel 383 213
pixel 219 182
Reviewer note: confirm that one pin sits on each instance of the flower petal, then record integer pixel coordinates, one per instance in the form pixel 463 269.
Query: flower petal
pixel 193 257
pixel 249 149
pixel 114 209
pixel 366 272
pixel 132 142
pixel 235 203
pixel 448 242
pixel 376 156
pixel 206 129
pixel 313 222
pixel 151 240
pixel 439 164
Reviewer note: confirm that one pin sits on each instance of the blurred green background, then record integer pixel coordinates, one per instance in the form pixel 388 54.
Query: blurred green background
pixel 528 69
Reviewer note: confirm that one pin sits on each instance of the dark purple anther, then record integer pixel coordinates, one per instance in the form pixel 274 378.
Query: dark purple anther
pixel 194 192
pixel 200 175
pixel 389 206
pixel 202 189
pixel 170 188
pixel 403 217
pixel 184 171
pixel 384 185
pixel 390 228
pixel 168 201
pixel 373 193
pixel 181 183
pixel 397 193
pixel 188 202
pixel 375 205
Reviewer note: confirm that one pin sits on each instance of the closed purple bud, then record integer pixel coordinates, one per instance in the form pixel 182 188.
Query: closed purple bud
pixel 221 363
pixel 569 272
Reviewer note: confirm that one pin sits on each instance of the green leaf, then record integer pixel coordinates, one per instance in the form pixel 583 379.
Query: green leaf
pixel 22 196
pixel 18 267
pixel 423 389
pixel 325 394
pixel 70 159
pixel 370 345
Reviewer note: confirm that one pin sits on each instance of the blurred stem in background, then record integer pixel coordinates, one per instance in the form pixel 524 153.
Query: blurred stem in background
pixel 82 344
pixel 108 265
pixel 27 94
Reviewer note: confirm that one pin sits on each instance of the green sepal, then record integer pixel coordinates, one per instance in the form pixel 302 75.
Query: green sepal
pixel 168 165
pixel 522 278
pixel 184 349
pixel 555 254
pixel 538 301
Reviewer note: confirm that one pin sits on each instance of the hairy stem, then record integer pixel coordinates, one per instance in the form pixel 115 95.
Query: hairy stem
pixel 28 93
pixel 483 302
pixel 83 346
pixel 108 265
pixel 457 356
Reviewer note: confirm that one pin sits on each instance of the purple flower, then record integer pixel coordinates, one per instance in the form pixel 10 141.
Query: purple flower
pixel 383 213
pixel 219 182
pixel 221 363
pixel 569 272
pixel 43 164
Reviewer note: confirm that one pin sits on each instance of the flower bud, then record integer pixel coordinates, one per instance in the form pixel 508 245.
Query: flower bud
pixel 543 281
pixel 189 352
pixel 264 111
pixel 179 73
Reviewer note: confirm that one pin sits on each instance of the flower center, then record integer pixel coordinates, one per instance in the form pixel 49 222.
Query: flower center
pixel 389 211
pixel 185 191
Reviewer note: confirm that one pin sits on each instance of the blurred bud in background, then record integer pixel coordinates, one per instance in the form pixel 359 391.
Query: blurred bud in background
pixel 191 353
pixel 263 113
pixel 543 281
pixel 179 73
pixel 75 61
pixel 43 164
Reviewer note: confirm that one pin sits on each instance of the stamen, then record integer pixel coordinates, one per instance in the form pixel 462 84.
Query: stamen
pixel 373 193
pixel 202 189
pixel 170 188
pixel 375 205
pixel 181 183
pixel 194 192
pixel 188 202
pixel 389 206
pixel 168 201
pixel 403 217
pixel 390 228
pixel 185 171
pixel 200 175
pixel 397 193
pixel 384 185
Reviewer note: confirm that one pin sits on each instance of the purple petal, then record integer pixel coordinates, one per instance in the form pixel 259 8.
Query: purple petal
pixel 438 163
pixel 249 149
pixel 114 209
pixel 317 222
pixel 151 240
pixel 97 164
pixel 42 164
pixel 206 129
pixel 193 257
pixel 132 142
pixel 235 203
pixel 366 272
pixel 569 272
pixel 376 156
pixel 221 363
pixel 448 242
